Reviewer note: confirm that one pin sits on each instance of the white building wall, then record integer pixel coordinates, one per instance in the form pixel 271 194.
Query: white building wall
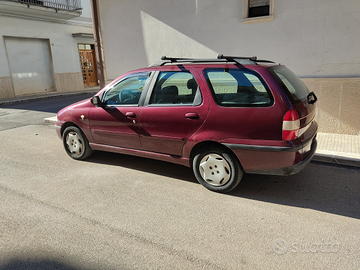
pixel 63 47
pixel 313 38
pixel 319 40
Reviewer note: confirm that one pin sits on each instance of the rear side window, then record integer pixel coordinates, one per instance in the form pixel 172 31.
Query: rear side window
pixel 238 88
pixel 175 87
pixel 294 87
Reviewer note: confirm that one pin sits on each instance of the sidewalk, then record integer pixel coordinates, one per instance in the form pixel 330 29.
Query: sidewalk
pixel 337 149
pixel 87 90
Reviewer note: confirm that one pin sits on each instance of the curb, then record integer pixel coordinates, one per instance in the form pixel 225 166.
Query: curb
pixel 48 96
pixel 50 120
pixel 337 160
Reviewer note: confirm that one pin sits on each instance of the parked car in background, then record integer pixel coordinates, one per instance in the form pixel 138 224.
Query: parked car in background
pixel 223 117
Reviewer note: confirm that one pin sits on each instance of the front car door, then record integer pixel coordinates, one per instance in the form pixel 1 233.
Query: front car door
pixel 174 110
pixel 116 123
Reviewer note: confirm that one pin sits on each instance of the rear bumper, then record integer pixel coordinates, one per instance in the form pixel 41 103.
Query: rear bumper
pixel 291 169
pixel 275 160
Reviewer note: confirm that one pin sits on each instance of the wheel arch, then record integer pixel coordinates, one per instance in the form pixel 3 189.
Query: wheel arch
pixel 204 144
pixel 69 124
pixel 76 145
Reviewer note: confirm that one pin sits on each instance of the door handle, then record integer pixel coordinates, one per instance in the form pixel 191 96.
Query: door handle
pixel 130 114
pixel 192 115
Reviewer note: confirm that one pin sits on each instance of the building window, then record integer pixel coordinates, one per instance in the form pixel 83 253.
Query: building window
pixel 258 10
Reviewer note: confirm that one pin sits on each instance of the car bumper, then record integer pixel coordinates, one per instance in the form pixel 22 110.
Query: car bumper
pixel 58 125
pixel 291 169
pixel 275 160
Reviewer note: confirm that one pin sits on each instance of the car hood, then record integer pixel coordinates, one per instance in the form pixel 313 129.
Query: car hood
pixel 81 105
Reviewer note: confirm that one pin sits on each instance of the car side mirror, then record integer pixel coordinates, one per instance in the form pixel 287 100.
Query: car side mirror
pixel 96 101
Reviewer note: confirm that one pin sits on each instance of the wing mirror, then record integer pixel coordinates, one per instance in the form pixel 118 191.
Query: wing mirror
pixel 96 101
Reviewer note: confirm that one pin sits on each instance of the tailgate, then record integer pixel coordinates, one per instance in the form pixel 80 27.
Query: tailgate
pixel 300 98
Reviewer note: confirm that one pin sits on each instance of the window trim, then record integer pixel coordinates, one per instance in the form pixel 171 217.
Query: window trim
pixel 246 18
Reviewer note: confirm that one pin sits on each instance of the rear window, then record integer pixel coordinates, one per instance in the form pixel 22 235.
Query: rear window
pixel 238 88
pixel 294 87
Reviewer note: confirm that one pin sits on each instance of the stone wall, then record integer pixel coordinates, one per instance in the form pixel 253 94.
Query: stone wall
pixel 69 82
pixel 64 82
pixel 6 87
pixel 338 105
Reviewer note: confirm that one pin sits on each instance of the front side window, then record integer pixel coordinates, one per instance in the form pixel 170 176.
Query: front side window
pixel 238 88
pixel 127 91
pixel 175 87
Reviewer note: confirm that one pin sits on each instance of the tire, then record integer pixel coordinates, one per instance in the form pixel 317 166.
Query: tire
pixel 76 144
pixel 217 169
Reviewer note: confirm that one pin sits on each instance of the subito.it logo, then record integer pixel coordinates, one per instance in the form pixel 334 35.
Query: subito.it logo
pixel 280 246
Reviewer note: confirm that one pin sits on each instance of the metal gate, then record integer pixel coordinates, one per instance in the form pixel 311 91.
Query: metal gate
pixel 30 65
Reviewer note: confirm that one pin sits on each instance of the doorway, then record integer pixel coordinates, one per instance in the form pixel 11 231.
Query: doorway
pixel 88 64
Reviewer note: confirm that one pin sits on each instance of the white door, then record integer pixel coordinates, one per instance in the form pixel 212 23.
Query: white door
pixel 30 65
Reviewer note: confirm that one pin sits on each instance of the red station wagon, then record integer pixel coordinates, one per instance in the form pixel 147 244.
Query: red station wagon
pixel 223 117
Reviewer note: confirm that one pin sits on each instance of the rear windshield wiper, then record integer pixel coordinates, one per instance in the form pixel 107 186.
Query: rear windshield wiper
pixel 311 98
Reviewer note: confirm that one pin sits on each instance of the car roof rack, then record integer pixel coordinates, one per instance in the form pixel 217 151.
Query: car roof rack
pixel 220 58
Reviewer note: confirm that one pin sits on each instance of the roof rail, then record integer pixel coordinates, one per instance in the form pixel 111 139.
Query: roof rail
pixel 236 58
pixel 221 58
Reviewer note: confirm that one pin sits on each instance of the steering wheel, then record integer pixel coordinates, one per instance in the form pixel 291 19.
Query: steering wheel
pixel 126 95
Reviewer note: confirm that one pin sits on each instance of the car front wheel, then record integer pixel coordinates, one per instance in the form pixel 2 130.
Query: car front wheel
pixel 75 143
pixel 217 169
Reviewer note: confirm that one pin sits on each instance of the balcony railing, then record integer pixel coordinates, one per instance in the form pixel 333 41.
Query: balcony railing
pixel 68 5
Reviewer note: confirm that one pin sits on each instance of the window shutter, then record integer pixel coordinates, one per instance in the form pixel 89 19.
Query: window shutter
pixel 258 3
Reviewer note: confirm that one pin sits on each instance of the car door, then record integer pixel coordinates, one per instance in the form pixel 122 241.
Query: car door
pixel 116 122
pixel 173 111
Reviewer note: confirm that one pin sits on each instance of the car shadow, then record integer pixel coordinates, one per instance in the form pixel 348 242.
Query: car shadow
pixel 55 263
pixel 144 164
pixel 21 264
pixel 321 187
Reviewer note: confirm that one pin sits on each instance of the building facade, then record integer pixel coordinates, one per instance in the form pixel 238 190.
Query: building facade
pixel 47 46
pixel 318 40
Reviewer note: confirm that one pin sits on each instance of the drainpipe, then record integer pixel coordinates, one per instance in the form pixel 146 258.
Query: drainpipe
pixel 98 43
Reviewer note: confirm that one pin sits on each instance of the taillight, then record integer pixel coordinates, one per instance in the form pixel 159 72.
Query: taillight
pixel 291 125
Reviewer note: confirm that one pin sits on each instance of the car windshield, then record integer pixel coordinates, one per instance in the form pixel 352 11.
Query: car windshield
pixel 294 87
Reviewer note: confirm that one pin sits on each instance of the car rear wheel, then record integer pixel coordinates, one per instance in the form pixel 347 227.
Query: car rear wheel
pixel 217 169
pixel 75 143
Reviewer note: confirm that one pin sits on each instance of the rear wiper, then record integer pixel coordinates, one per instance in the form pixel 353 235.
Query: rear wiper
pixel 311 98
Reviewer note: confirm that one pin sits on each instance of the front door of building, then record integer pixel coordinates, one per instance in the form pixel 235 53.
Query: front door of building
pixel 88 64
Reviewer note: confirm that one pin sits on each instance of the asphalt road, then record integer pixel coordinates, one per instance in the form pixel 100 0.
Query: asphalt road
pixel 121 212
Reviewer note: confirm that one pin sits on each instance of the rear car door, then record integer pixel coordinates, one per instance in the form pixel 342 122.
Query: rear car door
pixel 173 111
pixel 116 122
